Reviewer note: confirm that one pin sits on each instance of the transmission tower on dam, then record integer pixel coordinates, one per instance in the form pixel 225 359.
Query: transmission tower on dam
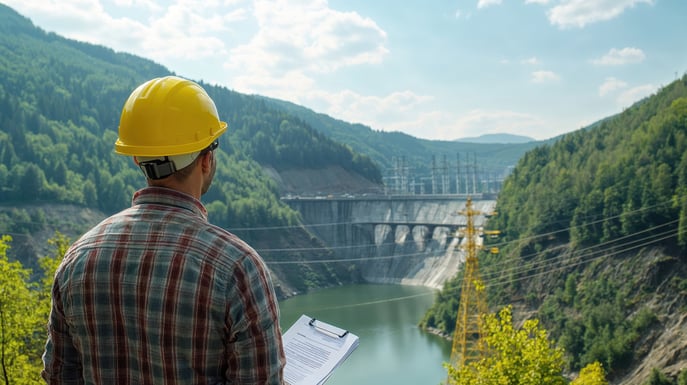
pixel 439 175
pixel 467 337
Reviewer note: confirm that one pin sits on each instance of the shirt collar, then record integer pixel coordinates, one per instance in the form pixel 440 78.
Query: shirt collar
pixel 170 197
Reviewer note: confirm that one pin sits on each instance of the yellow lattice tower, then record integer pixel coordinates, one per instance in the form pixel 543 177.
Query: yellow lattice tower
pixel 467 342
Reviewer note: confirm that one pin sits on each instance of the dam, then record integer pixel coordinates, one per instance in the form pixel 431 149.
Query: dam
pixel 409 240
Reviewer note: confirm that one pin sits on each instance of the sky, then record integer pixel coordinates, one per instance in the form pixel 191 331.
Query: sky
pixel 433 69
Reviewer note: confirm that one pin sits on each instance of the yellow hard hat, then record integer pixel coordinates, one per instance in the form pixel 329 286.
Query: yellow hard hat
pixel 168 116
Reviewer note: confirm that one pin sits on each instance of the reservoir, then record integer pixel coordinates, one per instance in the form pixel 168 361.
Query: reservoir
pixel 392 350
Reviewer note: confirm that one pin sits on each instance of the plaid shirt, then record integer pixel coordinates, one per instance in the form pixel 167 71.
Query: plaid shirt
pixel 157 295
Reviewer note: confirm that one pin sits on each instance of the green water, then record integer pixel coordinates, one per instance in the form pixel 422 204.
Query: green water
pixel 393 350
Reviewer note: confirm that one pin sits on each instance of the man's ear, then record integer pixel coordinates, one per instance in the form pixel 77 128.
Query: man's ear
pixel 206 161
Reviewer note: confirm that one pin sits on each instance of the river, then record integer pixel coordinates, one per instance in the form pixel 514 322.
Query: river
pixel 392 350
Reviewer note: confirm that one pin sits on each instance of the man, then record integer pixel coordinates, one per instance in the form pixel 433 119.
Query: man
pixel 155 294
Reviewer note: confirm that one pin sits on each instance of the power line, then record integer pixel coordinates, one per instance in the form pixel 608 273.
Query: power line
pixel 376 258
pixel 381 245
pixel 492 283
pixel 377 302
pixel 609 242
pixel 581 260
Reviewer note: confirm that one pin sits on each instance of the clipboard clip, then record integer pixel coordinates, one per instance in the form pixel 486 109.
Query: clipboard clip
pixel 327 331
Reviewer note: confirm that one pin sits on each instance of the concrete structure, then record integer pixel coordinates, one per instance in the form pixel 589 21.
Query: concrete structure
pixel 393 239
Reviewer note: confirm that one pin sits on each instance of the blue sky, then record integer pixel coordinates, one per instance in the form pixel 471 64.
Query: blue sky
pixel 433 69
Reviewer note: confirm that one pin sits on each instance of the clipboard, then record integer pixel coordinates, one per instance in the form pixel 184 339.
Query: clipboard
pixel 327 328
pixel 314 349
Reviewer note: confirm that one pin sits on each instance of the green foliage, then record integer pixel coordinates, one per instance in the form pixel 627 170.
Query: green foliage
pixel 24 309
pixel 601 331
pixel 682 377
pixel 658 378
pixel 22 321
pixel 442 315
pixel 593 182
pixel 513 356
pixel 592 374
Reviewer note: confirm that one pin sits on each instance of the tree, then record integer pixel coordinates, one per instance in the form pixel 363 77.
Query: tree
pixel 592 374
pixel 657 378
pixel 33 181
pixel 90 194
pixel 19 321
pixel 514 356
pixel 24 309
pixel 682 377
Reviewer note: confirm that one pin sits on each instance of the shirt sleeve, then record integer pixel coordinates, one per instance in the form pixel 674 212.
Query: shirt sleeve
pixel 255 353
pixel 61 360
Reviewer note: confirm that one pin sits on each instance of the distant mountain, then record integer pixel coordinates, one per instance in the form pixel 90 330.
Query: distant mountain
pixel 497 138
pixel 397 152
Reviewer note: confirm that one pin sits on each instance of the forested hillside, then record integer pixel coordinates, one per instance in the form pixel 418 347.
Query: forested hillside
pixel 60 102
pixel 594 241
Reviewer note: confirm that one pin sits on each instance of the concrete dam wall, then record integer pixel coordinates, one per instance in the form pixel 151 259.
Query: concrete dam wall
pixel 402 240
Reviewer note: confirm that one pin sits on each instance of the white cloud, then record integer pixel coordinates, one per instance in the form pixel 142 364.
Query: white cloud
pixel 610 85
pixel 579 13
pixel 544 76
pixel 306 37
pixel 531 61
pixel 633 95
pixel 291 85
pixel 622 56
pixel 148 4
pixel 540 2
pixel 434 124
pixel 379 112
pixel 75 16
pixel 487 3
pixel 194 35
pixel 188 29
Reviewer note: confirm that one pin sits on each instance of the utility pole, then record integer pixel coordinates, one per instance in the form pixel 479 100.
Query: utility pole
pixel 474 174
pixel 434 175
pixel 467 174
pixel 457 173
pixel 468 345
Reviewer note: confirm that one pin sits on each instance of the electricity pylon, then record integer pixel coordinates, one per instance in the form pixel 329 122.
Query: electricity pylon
pixel 467 337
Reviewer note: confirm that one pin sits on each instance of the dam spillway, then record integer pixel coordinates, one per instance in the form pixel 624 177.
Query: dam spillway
pixel 393 239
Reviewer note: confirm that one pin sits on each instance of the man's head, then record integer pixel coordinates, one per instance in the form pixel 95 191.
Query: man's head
pixel 169 124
